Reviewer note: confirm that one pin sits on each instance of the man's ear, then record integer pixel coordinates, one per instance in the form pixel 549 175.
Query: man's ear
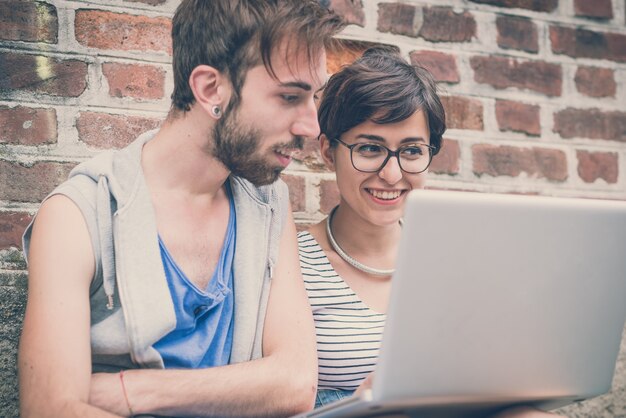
pixel 211 89
pixel 327 151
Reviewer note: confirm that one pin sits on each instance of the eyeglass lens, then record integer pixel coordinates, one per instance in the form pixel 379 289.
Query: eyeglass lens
pixel 413 158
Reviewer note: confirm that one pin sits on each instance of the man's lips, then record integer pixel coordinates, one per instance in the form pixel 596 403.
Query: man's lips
pixel 284 156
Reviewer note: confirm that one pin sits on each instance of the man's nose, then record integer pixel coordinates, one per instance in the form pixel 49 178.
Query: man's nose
pixel 306 124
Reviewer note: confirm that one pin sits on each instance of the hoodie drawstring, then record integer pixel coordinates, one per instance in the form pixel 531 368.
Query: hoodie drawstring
pixel 105 226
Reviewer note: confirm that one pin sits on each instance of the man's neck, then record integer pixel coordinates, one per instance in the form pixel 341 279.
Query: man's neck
pixel 179 158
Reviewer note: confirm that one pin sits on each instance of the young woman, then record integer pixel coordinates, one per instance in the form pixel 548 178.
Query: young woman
pixel 381 122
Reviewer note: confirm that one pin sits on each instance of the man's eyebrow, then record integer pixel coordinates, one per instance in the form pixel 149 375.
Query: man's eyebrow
pixel 381 139
pixel 297 84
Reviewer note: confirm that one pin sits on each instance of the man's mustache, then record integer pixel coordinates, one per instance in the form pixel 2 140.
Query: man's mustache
pixel 296 143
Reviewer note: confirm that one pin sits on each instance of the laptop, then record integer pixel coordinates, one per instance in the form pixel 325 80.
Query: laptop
pixel 497 301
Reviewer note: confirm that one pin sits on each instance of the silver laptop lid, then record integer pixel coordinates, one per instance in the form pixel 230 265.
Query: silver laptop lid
pixel 501 297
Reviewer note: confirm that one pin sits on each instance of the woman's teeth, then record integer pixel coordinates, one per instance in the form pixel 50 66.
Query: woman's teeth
pixel 384 194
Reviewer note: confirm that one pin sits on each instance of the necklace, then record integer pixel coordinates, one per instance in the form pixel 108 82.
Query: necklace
pixel 346 257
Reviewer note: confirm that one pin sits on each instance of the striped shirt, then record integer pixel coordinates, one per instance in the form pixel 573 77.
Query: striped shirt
pixel 348 331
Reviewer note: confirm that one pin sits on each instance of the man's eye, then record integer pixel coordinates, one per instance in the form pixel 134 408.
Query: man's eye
pixel 290 98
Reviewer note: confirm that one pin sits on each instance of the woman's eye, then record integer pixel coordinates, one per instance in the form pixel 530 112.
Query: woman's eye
pixel 412 151
pixel 370 149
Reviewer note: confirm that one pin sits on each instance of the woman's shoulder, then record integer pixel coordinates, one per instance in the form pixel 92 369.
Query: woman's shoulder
pixel 307 244
pixel 312 242
pixel 313 259
pixel 305 236
pixel 314 237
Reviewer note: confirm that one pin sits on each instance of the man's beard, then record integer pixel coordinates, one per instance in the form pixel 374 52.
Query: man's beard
pixel 237 147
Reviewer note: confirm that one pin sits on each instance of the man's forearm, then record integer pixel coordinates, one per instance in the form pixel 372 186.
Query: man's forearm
pixel 67 409
pixel 262 387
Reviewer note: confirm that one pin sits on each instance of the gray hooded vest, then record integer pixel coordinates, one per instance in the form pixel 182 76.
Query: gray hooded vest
pixel 130 302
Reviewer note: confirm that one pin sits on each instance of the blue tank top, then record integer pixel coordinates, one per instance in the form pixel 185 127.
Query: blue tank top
pixel 204 318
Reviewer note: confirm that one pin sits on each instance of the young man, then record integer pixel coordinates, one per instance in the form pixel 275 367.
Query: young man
pixel 169 268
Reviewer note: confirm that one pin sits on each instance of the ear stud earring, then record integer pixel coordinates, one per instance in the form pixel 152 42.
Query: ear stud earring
pixel 216 111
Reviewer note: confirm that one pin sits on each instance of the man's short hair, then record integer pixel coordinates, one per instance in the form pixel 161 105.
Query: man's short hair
pixel 236 35
pixel 383 87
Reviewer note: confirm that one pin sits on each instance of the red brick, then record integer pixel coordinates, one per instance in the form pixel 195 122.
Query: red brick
pixel 536 5
pixel 590 123
pixel 442 66
pixel 310 156
pixel 463 113
pixel 12 226
pixel 597 165
pixel 350 10
pixel 31 21
pixel 345 53
pixel 517 33
pixel 442 24
pixel 595 82
pixel 329 195
pixel 399 18
pixel 511 161
pixel 117 31
pixel 582 43
pixel 30 184
pixel 297 192
pixel 103 130
pixel 132 80
pixel 518 117
pixel 27 126
pixel 596 9
pixel 42 74
pixel 502 73
pixel 447 161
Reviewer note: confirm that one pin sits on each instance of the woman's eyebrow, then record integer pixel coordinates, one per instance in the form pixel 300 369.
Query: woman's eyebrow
pixel 379 138
pixel 413 139
pixel 371 137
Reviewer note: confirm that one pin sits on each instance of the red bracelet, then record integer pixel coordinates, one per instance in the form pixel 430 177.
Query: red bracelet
pixel 125 394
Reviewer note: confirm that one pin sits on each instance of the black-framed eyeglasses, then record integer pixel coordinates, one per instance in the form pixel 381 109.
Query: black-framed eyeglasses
pixel 371 157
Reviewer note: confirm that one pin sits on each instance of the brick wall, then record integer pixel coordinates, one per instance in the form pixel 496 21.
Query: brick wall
pixel 535 92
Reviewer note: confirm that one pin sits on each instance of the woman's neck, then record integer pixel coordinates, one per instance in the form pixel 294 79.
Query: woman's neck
pixel 371 244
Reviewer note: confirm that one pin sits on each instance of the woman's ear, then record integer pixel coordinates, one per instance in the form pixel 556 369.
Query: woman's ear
pixel 210 88
pixel 327 151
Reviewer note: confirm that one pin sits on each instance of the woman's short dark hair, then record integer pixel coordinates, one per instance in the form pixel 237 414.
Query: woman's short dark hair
pixel 236 35
pixel 382 87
